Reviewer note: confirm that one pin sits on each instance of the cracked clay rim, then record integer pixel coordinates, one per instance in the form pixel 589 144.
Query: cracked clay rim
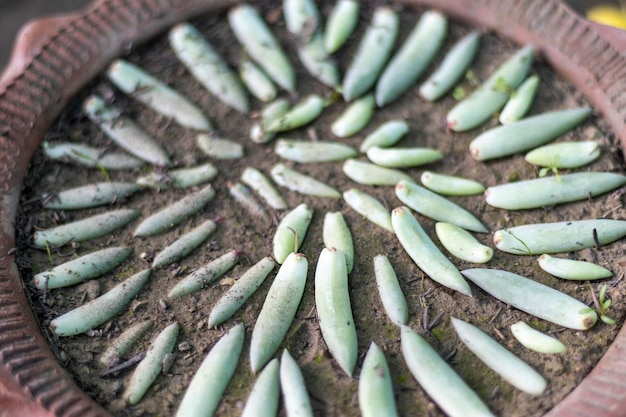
pixel 53 59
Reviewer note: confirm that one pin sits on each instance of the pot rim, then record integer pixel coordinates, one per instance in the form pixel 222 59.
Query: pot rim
pixel 54 57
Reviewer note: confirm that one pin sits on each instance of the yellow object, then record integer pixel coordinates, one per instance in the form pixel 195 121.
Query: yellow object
pixel 608 15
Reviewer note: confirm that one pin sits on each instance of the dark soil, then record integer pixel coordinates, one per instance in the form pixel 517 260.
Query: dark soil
pixel 332 392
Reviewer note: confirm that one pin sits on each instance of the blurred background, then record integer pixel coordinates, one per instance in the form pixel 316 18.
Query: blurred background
pixel 14 13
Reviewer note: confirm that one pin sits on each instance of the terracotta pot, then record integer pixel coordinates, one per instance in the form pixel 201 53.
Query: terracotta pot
pixel 55 57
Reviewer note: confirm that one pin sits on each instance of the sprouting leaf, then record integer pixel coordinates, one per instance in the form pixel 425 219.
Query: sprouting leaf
pixel 49 253
pixel 459 93
pixel 471 77
pixel 602 294
pixel 555 170
pixel 601 305
pixel 504 87
pixel 100 167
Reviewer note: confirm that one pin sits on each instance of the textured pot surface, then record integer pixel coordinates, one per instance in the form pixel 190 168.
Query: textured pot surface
pixel 54 58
